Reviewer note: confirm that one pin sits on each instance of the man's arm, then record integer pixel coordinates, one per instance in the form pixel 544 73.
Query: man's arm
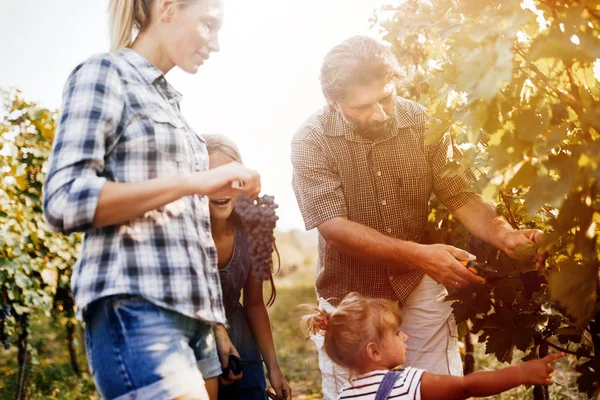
pixel 480 218
pixel 438 261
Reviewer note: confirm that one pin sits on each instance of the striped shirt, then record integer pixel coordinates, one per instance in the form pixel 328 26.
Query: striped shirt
pixel 364 387
pixel 384 184
pixel 120 121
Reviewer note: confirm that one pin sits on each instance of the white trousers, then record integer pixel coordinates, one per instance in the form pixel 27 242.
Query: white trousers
pixel 432 342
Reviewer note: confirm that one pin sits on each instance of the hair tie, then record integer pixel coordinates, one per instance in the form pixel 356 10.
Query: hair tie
pixel 323 323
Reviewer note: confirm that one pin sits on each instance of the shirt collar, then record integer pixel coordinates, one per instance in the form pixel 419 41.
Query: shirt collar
pixel 148 71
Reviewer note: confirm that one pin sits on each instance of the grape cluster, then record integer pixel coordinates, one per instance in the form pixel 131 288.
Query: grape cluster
pixel 4 314
pixel 258 219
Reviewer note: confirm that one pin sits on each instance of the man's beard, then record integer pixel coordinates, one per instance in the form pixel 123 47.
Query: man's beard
pixel 371 130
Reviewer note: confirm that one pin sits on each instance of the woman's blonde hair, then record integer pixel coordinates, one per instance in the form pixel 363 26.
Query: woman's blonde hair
pixel 127 18
pixel 357 321
pixel 224 145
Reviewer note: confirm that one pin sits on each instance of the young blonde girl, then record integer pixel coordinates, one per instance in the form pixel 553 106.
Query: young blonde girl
pixel 248 335
pixel 362 335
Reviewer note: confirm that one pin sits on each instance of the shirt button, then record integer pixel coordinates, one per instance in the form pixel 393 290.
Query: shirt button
pixel 378 173
pixel 384 202
pixel 391 278
pixel 389 230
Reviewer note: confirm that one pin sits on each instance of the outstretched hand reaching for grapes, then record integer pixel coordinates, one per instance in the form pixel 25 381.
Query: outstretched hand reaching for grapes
pixel 539 372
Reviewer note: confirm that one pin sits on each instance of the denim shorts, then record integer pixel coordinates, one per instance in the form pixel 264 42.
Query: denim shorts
pixel 137 350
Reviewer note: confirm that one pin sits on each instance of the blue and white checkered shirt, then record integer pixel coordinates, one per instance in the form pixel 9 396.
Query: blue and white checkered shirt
pixel 120 121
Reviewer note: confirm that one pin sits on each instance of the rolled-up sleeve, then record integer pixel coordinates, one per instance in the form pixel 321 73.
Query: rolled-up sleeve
pixel 317 185
pixel 91 112
pixel 454 191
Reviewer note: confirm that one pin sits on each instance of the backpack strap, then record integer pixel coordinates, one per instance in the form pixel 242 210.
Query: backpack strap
pixel 387 384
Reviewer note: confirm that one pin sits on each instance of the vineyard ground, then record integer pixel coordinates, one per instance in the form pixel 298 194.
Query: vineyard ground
pixel 53 378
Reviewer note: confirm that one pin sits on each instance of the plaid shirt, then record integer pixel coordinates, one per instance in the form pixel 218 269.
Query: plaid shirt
pixel 384 184
pixel 120 121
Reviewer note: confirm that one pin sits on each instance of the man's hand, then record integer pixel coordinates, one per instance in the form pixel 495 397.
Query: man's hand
pixel 441 262
pixel 225 348
pixel 525 237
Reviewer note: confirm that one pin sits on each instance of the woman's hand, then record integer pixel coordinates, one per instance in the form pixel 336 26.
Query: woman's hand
pixel 225 348
pixel 225 181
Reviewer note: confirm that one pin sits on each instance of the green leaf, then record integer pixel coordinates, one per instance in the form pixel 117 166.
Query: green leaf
pixel 22 280
pixel 490 192
pixel 436 128
pixel 548 191
pixel 529 124
pixel 524 176
pixel 526 252
pixel 507 289
pixel 19 309
pixel 462 311
pixel 523 338
pixel 553 138
pixel 556 44
pixel 574 289
pixel 499 343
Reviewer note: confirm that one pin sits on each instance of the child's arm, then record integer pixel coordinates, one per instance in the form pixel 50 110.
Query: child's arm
pixel 260 325
pixel 479 384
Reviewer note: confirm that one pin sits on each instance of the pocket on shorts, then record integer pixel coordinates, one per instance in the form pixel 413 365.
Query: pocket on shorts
pixel 138 314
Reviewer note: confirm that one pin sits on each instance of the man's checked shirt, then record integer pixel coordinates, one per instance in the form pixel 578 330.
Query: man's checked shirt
pixel 385 184
pixel 120 121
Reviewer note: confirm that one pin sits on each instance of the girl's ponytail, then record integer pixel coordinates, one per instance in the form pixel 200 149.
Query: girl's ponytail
pixel 315 322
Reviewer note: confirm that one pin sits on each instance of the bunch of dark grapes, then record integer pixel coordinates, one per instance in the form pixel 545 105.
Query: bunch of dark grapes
pixel 258 220
pixel 4 314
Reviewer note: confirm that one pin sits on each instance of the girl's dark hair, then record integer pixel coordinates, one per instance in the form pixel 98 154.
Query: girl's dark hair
pixel 224 145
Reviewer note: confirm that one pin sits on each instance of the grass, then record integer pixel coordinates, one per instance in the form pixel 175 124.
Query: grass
pixel 53 377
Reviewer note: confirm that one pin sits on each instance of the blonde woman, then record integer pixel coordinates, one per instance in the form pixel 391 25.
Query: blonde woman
pixel 128 170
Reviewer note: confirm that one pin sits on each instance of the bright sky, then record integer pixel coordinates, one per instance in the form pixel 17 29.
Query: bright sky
pixel 257 90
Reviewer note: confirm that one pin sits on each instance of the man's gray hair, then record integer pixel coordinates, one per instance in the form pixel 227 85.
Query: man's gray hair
pixel 358 60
